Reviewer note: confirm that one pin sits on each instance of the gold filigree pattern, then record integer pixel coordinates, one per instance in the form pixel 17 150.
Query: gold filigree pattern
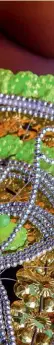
pixel 13 123
pixel 35 309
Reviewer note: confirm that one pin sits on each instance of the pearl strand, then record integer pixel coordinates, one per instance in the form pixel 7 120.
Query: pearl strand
pixel 46 159
pixel 44 184
pixel 5 305
pixel 14 209
pixel 29 253
pixel 27 172
pixel 2 327
pixel 44 190
pixel 34 191
pixel 30 106
pixel 25 169
pixel 35 109
pixel 26 212
pixel 11 166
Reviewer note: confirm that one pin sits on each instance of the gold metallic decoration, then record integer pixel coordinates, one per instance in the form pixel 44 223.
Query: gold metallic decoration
pixel 10 187
pixel 17 124
pixel 33 312
pixel 13 123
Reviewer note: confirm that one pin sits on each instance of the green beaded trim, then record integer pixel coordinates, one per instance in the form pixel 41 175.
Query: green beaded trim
pixel 24 151
pixel 5 232
pixel 27 84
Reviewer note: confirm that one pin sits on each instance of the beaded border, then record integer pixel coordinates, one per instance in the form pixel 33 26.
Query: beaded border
pixel 28 106
pixel 32 108
pixel 39 109
pixel 26 211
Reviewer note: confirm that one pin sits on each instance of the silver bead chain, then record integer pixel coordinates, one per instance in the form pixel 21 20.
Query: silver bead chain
pixel 27 210
pixel 7 337
pixel 29 106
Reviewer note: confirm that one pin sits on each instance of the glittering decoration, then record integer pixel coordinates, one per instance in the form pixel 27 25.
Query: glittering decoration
pixel 27 84
pixel 6 329
pixel 35 310
pixel 19 240
pixel 26 209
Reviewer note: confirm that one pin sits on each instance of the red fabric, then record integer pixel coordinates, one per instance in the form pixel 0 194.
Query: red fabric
pixel 18 59
pixel 30 24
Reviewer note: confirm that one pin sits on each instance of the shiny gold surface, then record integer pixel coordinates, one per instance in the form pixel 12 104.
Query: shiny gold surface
pixel 13 123
pixel 35 289
pixel 41 269
pixel 9 191
pixel 26 337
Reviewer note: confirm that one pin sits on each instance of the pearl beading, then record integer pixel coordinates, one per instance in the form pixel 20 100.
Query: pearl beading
pixel 26 211
pixel 25 171
pixel 29 106
pixel 14 208
pixel 45 185
pixel 29 253
pixel 38 216
pixel 7 337
pixel 45 191
pixel 35 164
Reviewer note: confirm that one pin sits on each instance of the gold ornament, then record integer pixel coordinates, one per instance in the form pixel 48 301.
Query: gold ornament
pixel 33 312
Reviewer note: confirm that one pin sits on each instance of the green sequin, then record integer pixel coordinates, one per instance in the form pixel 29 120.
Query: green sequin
pixel 5 75
pixel 48 151
pixel 9 145
pixel 20 237
pixel 24 84
pixel 24 151
pixel 27 84
pixel 4 220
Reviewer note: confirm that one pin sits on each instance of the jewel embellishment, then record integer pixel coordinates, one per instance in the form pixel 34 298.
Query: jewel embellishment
pixel 25 211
